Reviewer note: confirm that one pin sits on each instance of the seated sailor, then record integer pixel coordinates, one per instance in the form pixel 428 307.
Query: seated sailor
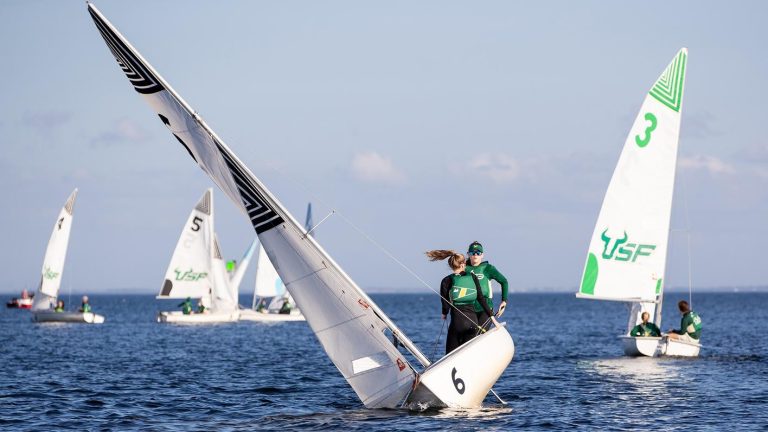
pixel 186 306
pixel 59 306
pixel 285 308
pixel 201 307
pixel 690 324
pixel 645 328
pixel 85 306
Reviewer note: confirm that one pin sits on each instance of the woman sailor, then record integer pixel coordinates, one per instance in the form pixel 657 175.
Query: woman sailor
pixel 462 291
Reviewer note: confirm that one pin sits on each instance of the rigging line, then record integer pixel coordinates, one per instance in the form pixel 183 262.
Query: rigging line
pixel 437 341
pixel 365 235
pixel 318 224
pixel 686 211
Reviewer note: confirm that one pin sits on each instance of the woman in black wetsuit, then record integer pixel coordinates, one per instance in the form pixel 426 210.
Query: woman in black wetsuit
pixel 458 292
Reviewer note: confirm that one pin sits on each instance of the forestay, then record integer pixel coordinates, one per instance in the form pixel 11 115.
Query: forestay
pixel 628 249
pixel 55 255
pixel 350 327
pixel 189 274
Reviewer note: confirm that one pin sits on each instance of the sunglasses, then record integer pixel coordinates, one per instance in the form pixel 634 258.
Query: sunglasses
pixel 476 253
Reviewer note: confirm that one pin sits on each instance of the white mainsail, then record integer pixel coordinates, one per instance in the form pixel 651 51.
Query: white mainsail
pixel 348 324
pixel 189 273
pixel 55 255
pixel 268 282
pixel 628 250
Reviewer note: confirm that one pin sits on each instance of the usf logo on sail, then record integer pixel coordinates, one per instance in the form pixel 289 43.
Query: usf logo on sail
pixel 619 249
pixel 189 275
pixel 50 274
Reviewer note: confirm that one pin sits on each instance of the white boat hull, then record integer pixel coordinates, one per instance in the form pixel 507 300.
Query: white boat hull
pixel 177 317
pixel 252 315
pixel 45 316
pixel 463 378
pixel 658 346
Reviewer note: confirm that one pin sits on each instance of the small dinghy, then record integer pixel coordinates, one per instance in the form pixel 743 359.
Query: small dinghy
pixel 23 302
pixel 53 266
pixel 358 337
pixel 628 251
pixel 197 271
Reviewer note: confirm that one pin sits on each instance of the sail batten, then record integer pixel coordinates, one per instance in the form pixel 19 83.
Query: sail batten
pixel 326 298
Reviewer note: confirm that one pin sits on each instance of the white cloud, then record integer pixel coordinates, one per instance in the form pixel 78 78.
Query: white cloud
pixel 124 130
pixel 710 164
pixel 500 168
pixel 372 167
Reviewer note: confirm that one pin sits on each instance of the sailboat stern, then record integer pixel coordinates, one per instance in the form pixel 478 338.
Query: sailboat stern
pixel 641 346
pixel 463 378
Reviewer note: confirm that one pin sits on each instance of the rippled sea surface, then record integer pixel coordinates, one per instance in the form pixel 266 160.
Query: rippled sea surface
pixel 568 372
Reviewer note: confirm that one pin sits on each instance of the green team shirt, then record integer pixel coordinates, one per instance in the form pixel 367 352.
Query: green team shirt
pixel 646 330
pixel 692 320
pixel 463 291
pixel 485 272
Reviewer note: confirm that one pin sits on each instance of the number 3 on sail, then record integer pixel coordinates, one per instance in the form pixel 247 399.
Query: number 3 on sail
pixel 349 325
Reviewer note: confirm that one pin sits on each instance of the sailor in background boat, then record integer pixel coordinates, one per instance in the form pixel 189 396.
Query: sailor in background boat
pixel 485 272
pixel 85 306
pixel 463 291
pixel 59 306
pixel 690 325
pixel 201 307
pixel 645 328
pixel 186 306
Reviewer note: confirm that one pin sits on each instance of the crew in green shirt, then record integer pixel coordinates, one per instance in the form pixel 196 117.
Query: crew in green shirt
pixel 645 328
pixel 85 306
pixel 486 272
pixel 186 306
pixel 59 306
pixel 690 324
pixel 200 306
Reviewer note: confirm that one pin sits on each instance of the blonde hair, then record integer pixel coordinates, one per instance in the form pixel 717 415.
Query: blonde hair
pixel 455 259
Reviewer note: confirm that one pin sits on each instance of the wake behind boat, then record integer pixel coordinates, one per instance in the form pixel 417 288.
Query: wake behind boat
pixel 355 333
pixel 628 251
pixel 197 271
pixel 46 306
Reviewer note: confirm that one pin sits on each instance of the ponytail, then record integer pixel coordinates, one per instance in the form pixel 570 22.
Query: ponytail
pixel 455 259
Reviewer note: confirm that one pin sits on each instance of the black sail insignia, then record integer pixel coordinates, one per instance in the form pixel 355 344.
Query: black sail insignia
pixel 263 217
pixel 143 80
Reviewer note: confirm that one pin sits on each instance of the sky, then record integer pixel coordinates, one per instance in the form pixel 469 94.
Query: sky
pixel 424 125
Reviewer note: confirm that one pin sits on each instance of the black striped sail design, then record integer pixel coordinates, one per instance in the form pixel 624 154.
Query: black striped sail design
pixel 349 325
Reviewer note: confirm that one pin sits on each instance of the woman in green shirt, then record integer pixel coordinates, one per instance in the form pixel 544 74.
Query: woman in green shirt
pixel 459 292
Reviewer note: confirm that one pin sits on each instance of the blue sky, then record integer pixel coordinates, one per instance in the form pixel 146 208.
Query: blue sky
pixel 428 124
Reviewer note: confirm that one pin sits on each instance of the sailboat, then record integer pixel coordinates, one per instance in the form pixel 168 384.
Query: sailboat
pixel 359 338
pixel 269 294
pixel 628 251
pixel 197 271
pixel 53 266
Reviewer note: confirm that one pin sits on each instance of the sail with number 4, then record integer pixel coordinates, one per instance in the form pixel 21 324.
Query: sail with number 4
pixel 628 250
pixel 55 255
pixel 189 273
pixel 349 325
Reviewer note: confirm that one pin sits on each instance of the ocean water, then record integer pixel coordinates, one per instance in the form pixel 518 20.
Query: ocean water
pixel 568 372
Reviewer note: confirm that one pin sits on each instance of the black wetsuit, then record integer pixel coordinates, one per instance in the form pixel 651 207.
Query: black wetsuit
pixel 464 324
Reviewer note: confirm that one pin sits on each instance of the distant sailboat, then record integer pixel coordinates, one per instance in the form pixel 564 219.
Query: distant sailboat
pixel 628 251
pixel 355 333
pixel 53 268
pixel 269 295
pixel 197 271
